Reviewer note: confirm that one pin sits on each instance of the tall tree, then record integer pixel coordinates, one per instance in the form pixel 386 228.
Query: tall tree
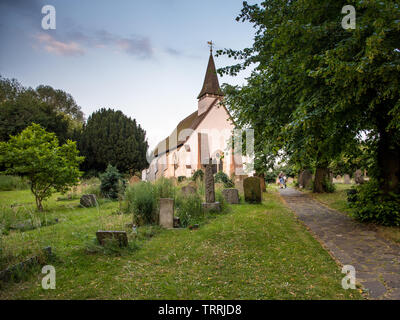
pixel 110 137
pixel 316 86
pixel 54 110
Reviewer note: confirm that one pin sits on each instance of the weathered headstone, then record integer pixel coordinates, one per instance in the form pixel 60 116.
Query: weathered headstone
pixel 188 190
pixel 239 182
pixel 252 190
pixel 305 178
pixel 262 183
pixel 166 217
pixel 88 200
pixel 346 179
pixel 359 177
pixel 231 195
pixel 210 204
pixel 339 178
pixel 120 236
pixel 209 183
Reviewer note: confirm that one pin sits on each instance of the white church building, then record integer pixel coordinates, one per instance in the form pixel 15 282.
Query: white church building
pixel 203 135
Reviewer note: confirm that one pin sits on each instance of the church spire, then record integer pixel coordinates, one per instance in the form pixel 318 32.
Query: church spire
pixel 211 84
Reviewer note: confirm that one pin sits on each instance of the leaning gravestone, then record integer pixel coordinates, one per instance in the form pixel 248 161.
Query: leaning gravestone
pixel 231 195
pixel 305 178
pixel 166 217
pixel 120 236
pixel 358 177
pixel 252 190
pixel 210 204
pixel 346 179
pixel 88 200
pixel 188 190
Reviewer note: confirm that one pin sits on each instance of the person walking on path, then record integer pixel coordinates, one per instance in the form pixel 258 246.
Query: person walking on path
pixel 281 180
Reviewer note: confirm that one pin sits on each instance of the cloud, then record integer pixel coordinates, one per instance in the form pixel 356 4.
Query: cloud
pixel 76 42
pixel 58 47
pixel 173 52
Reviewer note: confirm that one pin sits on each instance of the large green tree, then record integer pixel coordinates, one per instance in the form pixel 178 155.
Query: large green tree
pixel 36 155
pixel 54 110
pixel 110 137
pixel 316 87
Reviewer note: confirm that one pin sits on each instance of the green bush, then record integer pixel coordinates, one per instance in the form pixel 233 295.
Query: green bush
pixel 181 178
pixel 164 188
pixel 141 200
pixel 189 209
pixel 111 182
pixel 221 177
pixel 9 183
pixel 328 186
pixel 372 205
pixel 198 175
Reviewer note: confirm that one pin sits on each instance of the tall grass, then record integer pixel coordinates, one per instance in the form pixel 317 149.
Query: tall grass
pixel 9 183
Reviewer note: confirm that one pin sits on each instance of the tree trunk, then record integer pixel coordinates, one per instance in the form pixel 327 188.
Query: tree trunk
pixel 321 175
pixel 388 162
pixel 39 204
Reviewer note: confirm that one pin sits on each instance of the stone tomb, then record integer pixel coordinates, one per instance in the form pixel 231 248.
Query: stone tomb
pixel 166 216
pixel 231 195
pixel 120 236
pixel 346 179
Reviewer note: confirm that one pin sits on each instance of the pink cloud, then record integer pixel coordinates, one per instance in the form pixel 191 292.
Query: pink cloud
pixel 52 45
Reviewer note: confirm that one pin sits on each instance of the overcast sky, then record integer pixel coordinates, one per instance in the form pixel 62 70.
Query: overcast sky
pixel 146 58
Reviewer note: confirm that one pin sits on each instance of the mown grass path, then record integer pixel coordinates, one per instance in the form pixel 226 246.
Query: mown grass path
pixel 376 260
pixel 252 252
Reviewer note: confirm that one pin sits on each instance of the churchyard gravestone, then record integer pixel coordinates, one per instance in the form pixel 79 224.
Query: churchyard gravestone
pixel 188 190
pixel 210 204
pixel 359 177
pixel 262 183
pixel 120 236
pixel 252 190
pixel 239 182
pixel 231 195
pixel 338 178
pixel 346 179
pixel 166 217
pixel 88 200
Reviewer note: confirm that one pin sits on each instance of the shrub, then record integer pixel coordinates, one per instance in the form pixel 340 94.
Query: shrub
pixel 181 178
pixel 141 200
pixel 111 182
pixel 9 183
pixel 189 209
pixel 198 174
pixel 328 186
pixel 221 177
pixel 351 195
pixel 164 188
pixel 372 205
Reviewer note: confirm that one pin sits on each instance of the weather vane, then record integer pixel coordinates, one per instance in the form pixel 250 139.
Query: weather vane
pixel 210 43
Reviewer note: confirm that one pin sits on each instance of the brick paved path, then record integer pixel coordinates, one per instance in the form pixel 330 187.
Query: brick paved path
pixel 376 260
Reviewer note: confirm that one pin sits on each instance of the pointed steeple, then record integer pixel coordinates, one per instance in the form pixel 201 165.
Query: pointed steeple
pixel 211 84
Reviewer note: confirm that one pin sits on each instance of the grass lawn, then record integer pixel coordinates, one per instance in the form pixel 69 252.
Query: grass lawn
pixel 252 252
pixel 338 201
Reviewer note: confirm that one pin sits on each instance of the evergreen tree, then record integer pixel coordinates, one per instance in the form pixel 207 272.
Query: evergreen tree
pixel 110 137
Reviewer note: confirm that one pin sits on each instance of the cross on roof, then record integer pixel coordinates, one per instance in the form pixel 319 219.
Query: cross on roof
pixel 210 43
